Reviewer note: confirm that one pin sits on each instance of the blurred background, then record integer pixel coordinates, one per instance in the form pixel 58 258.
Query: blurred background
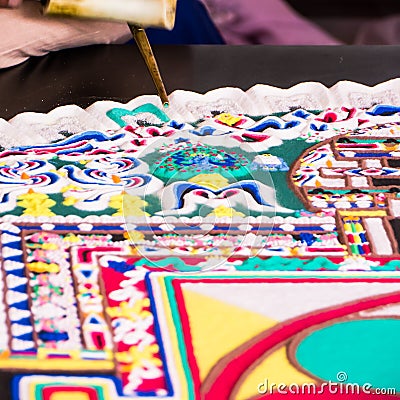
pixel 354 21
pixel 284 22
pixel 297 22
pixel 25 32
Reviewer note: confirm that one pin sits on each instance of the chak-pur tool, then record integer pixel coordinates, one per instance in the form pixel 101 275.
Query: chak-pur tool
pixel 137 13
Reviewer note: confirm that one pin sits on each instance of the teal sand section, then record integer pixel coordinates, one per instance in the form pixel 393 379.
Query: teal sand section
pixel 368 351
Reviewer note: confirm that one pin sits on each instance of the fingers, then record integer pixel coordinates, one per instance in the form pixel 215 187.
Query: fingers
pixel 10 3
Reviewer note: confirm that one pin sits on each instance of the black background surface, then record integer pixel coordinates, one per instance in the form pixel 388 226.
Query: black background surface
pixel 84 75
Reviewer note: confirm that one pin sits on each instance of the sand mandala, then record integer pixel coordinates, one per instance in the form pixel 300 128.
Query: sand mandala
pixel 203 251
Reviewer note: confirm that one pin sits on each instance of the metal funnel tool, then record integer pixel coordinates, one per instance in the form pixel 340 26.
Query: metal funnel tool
pixel 146 13
pixel 137 13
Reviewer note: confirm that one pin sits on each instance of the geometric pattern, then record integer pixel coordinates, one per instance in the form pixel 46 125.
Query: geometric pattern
pixel 263 252
pixel 214 360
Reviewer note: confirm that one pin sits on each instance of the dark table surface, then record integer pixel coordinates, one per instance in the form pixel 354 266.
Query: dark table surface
pixel 85 75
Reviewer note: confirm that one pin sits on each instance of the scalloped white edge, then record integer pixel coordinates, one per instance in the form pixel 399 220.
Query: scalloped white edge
pixel 28 128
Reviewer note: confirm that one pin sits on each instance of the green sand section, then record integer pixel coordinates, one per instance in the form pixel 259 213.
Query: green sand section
pixel 289 151
pixel 118 114
pixel 277 263
pixel 153 203
pixel 393 265
pixel 100 395
pixel 166 263
pixel 368 351
pixel 273 264
pixel 195 159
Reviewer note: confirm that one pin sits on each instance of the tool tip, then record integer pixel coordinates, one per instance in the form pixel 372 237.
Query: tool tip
pixel 166 104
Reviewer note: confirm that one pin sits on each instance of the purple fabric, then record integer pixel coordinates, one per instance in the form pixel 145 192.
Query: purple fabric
pixel 264 22
pixel 379 31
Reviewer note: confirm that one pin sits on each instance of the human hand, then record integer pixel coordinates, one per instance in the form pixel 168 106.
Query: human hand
pixel 40 35
pixel 10 3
